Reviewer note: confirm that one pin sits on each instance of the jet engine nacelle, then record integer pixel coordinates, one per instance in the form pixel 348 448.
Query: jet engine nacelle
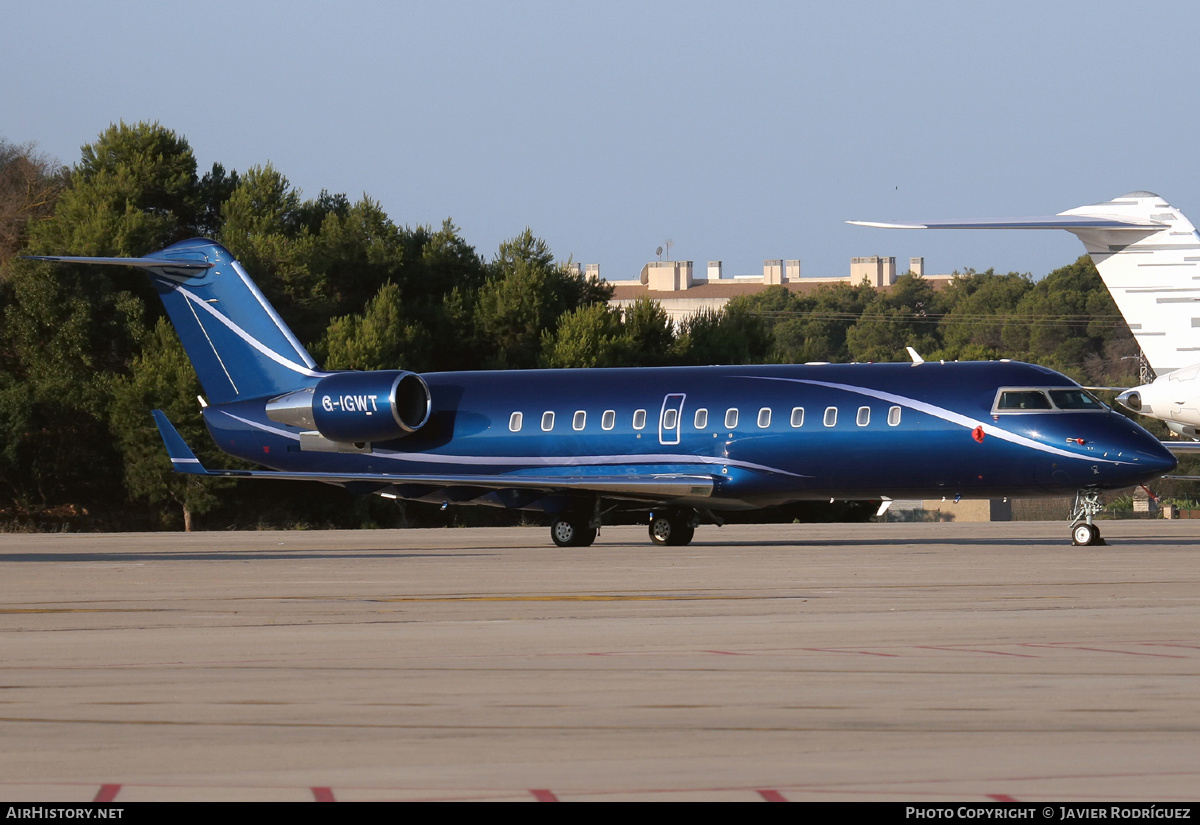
pixel 355 407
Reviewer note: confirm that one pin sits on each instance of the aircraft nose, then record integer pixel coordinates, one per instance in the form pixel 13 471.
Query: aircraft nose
pixel 1130 400
pixel 1164 462
pixel 1154 458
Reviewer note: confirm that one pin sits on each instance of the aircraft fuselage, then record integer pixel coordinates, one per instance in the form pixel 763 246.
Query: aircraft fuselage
pixel 766 434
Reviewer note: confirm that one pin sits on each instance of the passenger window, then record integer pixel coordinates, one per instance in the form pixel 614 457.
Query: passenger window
pixel 639 419
pixel 514 422
pixel 580 419
pixel 670 419
pixel 701 420
pixel 830 416
pixel 797 416
pixel 547 421
pixel 893 416
pixel 608 420
pixel 864 416
pixel 731 418
pixel 764 417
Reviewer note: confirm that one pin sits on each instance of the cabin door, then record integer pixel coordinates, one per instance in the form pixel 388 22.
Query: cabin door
pixel 670 418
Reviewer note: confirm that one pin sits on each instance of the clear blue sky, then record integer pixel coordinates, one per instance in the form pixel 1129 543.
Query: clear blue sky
pixel 742 131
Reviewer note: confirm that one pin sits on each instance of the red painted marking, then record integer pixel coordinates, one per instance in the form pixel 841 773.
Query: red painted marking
pixel 1102 650
pixel 975 650
pixel 1001 797
pixel 542 795
pixel 322 794
pixel 1169 644
pixel 859 652
pixel 771 796
pixel 107 793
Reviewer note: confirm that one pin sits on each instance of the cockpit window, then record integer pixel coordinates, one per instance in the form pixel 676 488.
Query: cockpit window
pixel 1045 399
pixel 1016 400
pixel 1079 399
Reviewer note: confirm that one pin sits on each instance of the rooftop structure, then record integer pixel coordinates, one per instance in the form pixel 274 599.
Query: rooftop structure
pixel 675 286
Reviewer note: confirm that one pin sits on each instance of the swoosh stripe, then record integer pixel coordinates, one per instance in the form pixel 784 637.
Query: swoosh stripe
pixel 944 414
pixel 247 337
pixel 541 461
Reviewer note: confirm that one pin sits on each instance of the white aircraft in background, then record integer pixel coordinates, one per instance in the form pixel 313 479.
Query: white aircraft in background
pixel 1148 255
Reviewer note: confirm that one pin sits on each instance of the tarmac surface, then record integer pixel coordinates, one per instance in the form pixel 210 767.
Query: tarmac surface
pixel 933 663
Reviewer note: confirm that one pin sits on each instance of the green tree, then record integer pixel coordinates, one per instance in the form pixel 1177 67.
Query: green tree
pixel 587 336
pixel 648 337
pixel 896 318
pixel 812 326
pixel 134 191
pixel 732 335
pixel 977 307
pixel 263 227
pixel 65 335
pixel 527 294
pixel 162 378
pixel 381 338
pixel 1065 320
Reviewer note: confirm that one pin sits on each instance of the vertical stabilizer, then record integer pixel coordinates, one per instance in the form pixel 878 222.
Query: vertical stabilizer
pixel 1154 276
pixel 1148 254
pixel 238 345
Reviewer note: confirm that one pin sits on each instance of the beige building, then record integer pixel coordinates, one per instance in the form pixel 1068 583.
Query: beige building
pixel 677 289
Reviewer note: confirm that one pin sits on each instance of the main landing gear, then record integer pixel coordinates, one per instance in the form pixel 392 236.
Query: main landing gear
pixel 1083 531
pixel 673 528
pixel 668 528
pixel 572 531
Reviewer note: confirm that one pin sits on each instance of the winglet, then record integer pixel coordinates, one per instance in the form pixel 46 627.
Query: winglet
pixel 183 460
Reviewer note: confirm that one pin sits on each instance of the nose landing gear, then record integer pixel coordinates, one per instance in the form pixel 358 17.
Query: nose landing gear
pixel 1083 531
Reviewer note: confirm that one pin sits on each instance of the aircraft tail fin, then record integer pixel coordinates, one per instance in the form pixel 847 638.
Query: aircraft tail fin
pixel 238 345
pixel 1148 254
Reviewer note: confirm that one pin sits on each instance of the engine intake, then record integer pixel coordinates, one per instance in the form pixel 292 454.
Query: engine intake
pixel 354 407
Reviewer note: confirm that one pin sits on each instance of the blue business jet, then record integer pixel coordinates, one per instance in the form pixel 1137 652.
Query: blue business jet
pixel 683 443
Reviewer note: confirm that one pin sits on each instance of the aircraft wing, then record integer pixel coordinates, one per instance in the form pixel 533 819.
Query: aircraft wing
pixel 648 487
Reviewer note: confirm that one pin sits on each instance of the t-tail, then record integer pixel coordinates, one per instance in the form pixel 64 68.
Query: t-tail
pixel 1148 254
pixel 238 345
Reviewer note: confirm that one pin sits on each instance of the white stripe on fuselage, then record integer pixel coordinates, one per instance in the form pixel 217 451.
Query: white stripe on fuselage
pixel 944 414
pixel 537 460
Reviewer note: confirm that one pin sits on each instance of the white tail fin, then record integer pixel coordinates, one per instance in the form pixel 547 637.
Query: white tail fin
pixel 1148 254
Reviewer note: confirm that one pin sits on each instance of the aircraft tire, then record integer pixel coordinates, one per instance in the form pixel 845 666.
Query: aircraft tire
pixel 568 532
pixel 1083 535
pixel 671 531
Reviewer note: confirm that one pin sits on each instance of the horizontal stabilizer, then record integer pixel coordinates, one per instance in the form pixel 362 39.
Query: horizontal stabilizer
pixel 238 344
pixel 1032 222
pixel 183 460
pixel 143 263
